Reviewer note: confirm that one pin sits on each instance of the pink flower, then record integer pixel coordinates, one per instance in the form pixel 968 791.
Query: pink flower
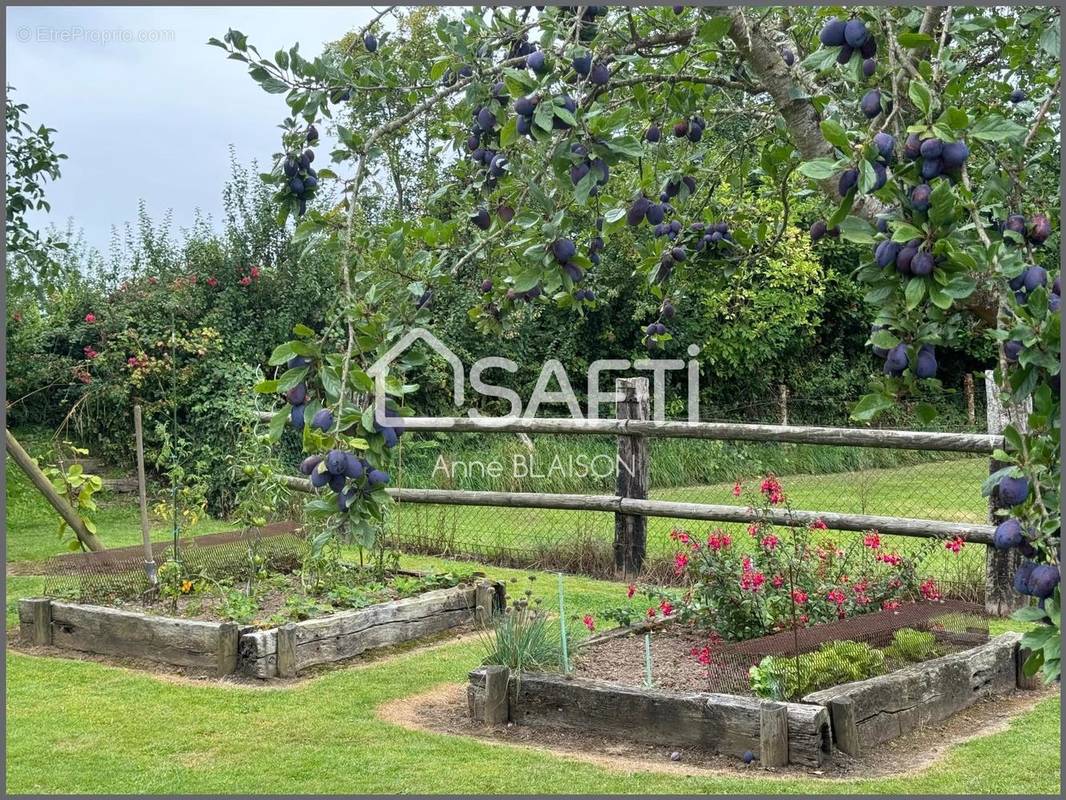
pixel 245 281
pixel 666 608
pixel 772 489
pixel 680 536
pixel 631 590
pixel 872 540
pixel 651 612
pixel 819 525
pixel 89 352
pixel 718 541
pixel 929 590
pixel 836 596
pixel 769 542
pixel 680 562
pixel 890 558
pixel 777 581
pixel 212 282
pixel 90 318
pixel 590 623
pixel 736 489
pixel 753 530
pixel 955 545
pixel 890 605
pixel 799 596
pixel 254 272
pixel 750 578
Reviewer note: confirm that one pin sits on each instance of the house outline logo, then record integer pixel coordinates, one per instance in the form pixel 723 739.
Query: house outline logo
pixel 380 368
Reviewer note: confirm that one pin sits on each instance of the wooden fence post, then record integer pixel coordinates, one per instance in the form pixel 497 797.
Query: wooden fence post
pixel 845 731
pixel 287 651
pixel 228 640
pixel 773 735
pixel 142 496
pixel 41 615
pixel 484 603
pixel 967 392
pixel 630 531
pixel 1000 565
pixel 497 708
pixel 54 498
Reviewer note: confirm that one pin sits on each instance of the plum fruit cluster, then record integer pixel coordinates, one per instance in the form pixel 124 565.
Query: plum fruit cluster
pixel 346 474
pixel 851 36
pixel 302 178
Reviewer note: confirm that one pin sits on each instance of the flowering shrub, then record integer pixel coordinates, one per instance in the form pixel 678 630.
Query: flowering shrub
pixel 789 578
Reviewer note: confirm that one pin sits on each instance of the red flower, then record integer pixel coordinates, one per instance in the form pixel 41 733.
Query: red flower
pixel 666 608
pixel 819 525
pixel 254 272
pixel 590 623
pixel 90 318
pixel 777 582
pixel 836 596
pixel 651 612
pixel 872 540
pixel 769 542
pixel 750 578
pixel 631 590
pixel 890 605
pixel 772 489
pixel 890 558
pixel 955 545
pixel 245 281
pixel 680 562
pixel 799 596
pixel 736 489
pixel 718 540
pixel 89 352
pixel 212 282
pixel 753 530
pixel 929 590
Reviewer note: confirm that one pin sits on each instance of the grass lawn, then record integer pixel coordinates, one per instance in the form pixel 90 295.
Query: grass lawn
pixel 78 727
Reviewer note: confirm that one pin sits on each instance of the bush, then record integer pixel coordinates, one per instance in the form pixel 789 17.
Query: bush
pixel 791 677
pixel 911 645
pixel 524 638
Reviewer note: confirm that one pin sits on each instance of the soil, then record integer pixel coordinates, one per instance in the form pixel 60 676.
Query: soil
pixel 444 710
pixel 674 667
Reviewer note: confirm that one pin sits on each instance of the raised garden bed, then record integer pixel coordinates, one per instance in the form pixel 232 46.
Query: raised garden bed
pixel 605 693
pixel 224 648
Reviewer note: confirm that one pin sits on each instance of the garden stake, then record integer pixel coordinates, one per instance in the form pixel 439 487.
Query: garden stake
pixel 149 560
pixel 562 625
pixel 647 660
pixel 174 433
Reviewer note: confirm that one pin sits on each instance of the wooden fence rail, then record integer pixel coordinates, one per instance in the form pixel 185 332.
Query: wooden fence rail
pixel 611 504
pixel 977 443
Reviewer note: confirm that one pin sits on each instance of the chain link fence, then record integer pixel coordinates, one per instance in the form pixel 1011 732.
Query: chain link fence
pixel 870 481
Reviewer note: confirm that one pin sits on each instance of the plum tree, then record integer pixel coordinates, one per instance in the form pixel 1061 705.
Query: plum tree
pixel 741 116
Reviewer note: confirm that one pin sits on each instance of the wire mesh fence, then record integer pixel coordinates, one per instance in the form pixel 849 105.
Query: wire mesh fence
pixel 869 481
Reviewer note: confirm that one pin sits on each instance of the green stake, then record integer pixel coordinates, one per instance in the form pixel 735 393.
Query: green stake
pixel 647 660
pixel 562 624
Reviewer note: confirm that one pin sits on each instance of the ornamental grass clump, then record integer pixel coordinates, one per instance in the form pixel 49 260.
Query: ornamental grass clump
pixel 523 638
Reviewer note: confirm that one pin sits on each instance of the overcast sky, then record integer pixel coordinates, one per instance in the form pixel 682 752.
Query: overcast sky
pixel 152 119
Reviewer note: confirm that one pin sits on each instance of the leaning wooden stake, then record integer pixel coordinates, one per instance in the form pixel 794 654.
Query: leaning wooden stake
pixel 54 498
pixel 142 490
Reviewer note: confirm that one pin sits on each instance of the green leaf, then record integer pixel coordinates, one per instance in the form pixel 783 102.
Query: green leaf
pixel 282 353
pixel 903 232
pixel 819 168
pixel 714 29
pixel 509 132
pixel 870 405
pixel 299 329
pixel 291 378
pixel 867 177
pixel 914 40
pixel 1029 614
pixel 920 96
pixel 277 423
pixel 835 135
pixel 857 230
pixel 267 387
pixel 925 412
pixel 884 338
pixel 914 293
pixel 994 128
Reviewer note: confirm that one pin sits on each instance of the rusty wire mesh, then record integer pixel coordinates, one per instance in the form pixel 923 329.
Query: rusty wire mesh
pixel 120 573
pixel 684 658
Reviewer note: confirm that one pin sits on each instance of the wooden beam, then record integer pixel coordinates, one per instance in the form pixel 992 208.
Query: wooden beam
pixel 54 498
pixel 978 443
pixel 631 530
pixel 897 526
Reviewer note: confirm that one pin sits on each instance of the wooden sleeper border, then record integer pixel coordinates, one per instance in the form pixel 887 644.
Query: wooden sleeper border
pixel 224 648
pixel 854 716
